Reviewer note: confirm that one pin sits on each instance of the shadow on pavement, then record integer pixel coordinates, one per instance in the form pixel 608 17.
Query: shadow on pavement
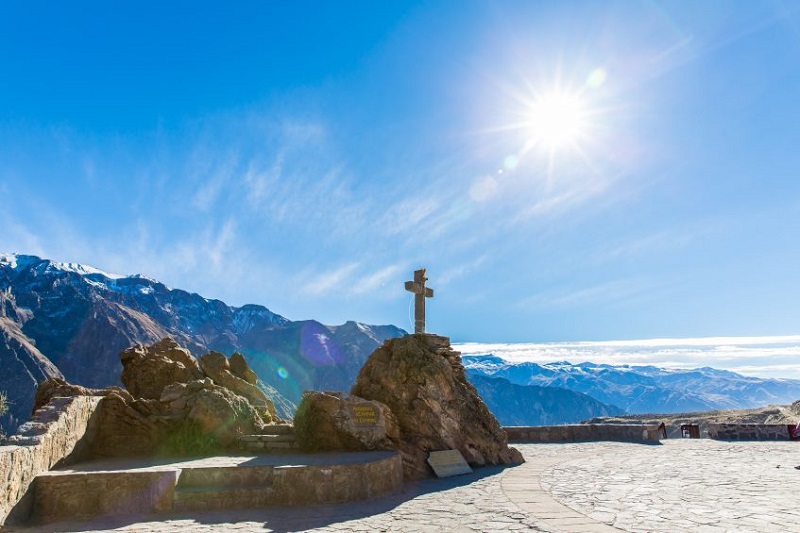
pixel 279 519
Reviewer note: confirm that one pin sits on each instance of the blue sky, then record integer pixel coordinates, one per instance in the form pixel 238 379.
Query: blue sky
pixel 309 156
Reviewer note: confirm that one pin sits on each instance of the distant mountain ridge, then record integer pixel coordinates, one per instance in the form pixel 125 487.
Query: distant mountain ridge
pixel 69 320
pixel 532 405
pixel 644 389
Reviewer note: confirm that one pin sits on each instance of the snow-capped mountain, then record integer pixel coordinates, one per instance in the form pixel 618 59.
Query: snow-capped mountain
pixel 644 389
pixel 70 320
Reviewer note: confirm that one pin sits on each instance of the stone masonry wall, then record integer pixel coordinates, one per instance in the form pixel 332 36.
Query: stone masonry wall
pixel 583 433
pixel 53 437
pixel 748 431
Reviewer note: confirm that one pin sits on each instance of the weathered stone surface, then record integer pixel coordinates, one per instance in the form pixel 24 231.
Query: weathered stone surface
pixel 194 417
pixel 338 421
pixel 584 433
pixel 222 413
pixel 216 366
pixel 241 369
pixel 423 382
pixel 83 496
pixel 54 436
pixel 214 483
pixel 55 387
pixel 148 369
pixel 749 431
pixel 129 428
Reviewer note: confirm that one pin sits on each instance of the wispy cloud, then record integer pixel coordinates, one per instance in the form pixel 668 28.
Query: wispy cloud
pixel 653 243
pixel 462 269
pixel 616 292
pixel 372 282
pixel 775 356
pixel 211 175
pixel 338 280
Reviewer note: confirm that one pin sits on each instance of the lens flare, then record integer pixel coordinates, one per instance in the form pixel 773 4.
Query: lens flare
pixel 283 373
pixel 596 78
pixel 511 162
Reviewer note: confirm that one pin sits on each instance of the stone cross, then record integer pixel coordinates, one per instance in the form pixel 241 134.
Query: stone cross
pixel 420 293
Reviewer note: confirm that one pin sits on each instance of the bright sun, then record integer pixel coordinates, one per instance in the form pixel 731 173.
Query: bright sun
pixel 556 120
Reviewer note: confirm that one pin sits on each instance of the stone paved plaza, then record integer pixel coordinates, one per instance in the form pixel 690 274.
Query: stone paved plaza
pixel 681 485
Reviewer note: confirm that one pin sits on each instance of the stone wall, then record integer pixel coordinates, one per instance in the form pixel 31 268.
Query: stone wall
pixel 54 436
pixel 85 494
pixel 584 433
pixel 748 431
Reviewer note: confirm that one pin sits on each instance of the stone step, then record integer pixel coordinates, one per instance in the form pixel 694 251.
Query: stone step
pixel 267 438
pixel 273 443
pixel 240 477
pixel 278 429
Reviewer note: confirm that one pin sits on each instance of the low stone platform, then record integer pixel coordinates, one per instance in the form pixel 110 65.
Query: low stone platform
pixel 118 487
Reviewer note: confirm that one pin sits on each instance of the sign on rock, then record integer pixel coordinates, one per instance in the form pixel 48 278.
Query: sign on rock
pixel 364 415
pixel 448 463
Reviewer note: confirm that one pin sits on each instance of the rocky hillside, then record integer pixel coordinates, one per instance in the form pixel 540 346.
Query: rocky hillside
pixel 70 321
pixel 531 405
pixel 645 389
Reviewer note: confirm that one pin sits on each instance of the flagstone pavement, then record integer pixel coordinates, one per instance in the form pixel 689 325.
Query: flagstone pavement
pixel 680 485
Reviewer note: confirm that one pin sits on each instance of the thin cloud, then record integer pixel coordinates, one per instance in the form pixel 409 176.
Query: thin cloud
pixel 615 292
pixel 331 281
pixel 774 356
pixel 371 283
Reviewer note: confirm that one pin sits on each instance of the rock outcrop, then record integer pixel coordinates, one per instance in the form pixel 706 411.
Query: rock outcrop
pixel 241 369
pixel 146 370
pixel 423 382
pixel 58 388
pixel 338 421
pixel 171 406
pixel 214 409
pixel 217 367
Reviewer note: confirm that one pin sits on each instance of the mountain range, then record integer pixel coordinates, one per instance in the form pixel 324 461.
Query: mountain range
pixel 70 321
pixel 644 389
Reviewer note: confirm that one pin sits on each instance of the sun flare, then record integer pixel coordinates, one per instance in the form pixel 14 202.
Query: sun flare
pixel 557 120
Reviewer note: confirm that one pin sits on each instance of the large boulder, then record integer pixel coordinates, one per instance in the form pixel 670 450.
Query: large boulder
pixel 423 382
pixel 170 406
pixel 146 370
pixel 218 368
pixel 130 428
pixel 241 369
pixel 338 421
pixel 214 410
